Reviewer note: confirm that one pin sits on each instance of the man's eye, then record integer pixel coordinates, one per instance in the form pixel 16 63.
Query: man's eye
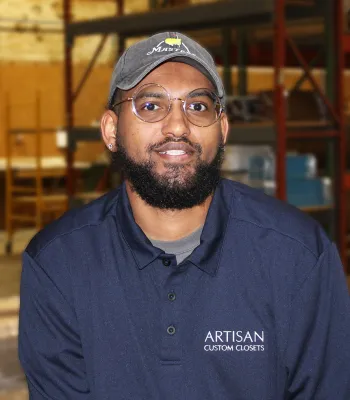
pixel 197 107
pixel 150 107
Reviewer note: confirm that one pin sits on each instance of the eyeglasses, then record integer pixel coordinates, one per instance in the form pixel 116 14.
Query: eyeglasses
pixel 152 103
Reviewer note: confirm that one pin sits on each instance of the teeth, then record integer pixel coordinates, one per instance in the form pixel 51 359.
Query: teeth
pixel 173 152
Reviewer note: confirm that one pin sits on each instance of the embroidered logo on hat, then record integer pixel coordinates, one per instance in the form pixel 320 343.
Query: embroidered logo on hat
pixel 171 45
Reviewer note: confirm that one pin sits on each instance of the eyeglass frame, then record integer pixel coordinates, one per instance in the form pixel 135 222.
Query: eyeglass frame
pixel 171 99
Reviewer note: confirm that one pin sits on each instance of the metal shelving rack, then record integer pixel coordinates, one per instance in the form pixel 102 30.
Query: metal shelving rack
pixel 240 14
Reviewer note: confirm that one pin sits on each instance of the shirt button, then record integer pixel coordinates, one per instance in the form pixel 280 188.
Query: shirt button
pixel 171 296
pixel 166 262
pixel 171 330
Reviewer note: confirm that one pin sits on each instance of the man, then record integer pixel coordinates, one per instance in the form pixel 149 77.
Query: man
pixel 179 284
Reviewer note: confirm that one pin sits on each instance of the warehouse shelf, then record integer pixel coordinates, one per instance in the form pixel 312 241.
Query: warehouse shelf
pixel 25 181
pixel 242 15
pixel 265 133
pixel 316 209
pixel 216 14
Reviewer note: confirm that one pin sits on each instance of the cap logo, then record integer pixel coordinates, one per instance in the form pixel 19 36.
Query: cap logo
pixel 173 41
pixel 170 45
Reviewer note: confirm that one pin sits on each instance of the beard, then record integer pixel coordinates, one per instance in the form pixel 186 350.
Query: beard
pixel 180 187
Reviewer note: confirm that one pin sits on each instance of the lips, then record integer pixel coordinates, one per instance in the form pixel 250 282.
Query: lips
pixel 175 149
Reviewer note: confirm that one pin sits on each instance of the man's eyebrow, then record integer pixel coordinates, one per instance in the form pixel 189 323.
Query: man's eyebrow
pixel 157 95
pixel 201 92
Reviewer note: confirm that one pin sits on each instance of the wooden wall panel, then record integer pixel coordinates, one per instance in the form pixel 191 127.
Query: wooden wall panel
pixel 23 82
pixel 34 30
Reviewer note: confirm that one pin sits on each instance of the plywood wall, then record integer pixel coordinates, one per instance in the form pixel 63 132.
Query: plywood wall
pixel 22 83
pixel 33 30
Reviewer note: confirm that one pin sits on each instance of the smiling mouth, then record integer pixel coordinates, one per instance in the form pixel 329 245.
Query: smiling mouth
pixel 173 152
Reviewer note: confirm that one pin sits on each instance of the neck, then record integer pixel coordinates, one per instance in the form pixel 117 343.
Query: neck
pixel 167 225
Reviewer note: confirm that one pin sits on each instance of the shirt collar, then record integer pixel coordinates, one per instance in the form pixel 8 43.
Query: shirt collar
pixel 206 256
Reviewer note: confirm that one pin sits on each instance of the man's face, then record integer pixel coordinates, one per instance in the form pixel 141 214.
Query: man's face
pixel 163 178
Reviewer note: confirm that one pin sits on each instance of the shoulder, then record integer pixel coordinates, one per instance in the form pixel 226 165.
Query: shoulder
pixel 74 220
pixel 263 213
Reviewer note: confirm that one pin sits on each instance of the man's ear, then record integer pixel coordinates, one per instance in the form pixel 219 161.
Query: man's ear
pixel 108 129
pixel 224 126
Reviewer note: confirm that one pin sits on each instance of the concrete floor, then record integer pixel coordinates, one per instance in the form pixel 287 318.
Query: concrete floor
pixel 12 382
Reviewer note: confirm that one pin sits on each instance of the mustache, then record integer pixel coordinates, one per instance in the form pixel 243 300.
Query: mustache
pixel 197 147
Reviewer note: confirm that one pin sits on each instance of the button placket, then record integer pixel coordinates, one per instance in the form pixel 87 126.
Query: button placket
pixel 171 349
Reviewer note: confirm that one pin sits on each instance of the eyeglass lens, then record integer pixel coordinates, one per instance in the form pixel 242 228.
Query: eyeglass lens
pixel 152 103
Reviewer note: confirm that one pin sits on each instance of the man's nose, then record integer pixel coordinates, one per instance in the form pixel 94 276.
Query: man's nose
pixel 176 123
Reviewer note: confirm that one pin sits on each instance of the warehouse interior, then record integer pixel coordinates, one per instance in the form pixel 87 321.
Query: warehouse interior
pixel 286 69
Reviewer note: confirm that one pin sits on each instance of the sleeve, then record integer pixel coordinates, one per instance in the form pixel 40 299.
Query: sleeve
pixel 49 345
pixel 318 351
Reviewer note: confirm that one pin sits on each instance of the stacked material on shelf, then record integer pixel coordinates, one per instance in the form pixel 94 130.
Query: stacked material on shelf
pixel 236 162
pixel 262 171
pixel 301 105
pixel 304 187
pixel 309 192
pixel 237 156
pixel 248 108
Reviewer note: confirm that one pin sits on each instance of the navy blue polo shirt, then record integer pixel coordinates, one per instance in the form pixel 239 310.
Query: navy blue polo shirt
pixel 259 311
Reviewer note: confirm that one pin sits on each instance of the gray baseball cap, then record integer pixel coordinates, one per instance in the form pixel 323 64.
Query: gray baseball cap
pixel 144 56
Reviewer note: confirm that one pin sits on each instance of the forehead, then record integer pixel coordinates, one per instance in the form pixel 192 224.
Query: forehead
pixel 177 77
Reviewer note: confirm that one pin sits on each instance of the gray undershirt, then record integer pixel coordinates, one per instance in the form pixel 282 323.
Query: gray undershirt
pixel 181 248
